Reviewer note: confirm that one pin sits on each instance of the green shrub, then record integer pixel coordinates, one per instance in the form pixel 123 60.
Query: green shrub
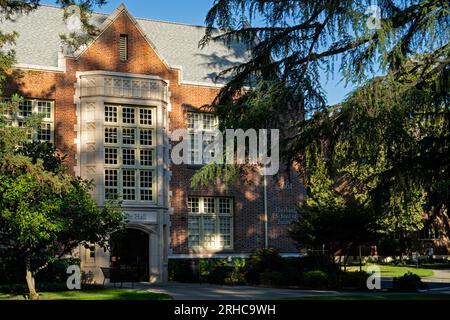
pixel 315 279
pixel 263 260
pixel 272 278
pixel 409 282
pixel 218 274
pixel 354 280
pixel 235 277
pixel 184 270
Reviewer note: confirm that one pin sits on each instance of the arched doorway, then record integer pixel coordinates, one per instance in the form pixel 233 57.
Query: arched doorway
pixel 130 251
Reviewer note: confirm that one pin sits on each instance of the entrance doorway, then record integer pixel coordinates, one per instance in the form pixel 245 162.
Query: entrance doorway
pixel 130 254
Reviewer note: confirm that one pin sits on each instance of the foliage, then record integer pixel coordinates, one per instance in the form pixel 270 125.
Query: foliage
pixel 315 279
pixel 354 280
pixel 408 282
pixel 263 260
pixel 385 148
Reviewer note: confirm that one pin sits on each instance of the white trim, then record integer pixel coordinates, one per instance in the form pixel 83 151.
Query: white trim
pixel 38 67
pixel 119 74
pixel 202 84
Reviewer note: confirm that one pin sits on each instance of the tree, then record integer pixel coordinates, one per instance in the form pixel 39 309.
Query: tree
pixel 47 214
pixel 389 140
pixel 329 221
pixel 44 212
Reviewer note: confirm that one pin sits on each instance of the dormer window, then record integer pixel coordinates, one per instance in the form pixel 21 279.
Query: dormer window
pixel 123 48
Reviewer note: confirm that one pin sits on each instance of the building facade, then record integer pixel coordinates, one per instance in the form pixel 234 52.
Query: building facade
pixel 111 105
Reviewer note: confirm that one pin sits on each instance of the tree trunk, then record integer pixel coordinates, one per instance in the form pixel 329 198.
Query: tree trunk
pixel 30 280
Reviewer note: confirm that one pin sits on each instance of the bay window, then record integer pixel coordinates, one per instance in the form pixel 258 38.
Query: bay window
pixel 129 140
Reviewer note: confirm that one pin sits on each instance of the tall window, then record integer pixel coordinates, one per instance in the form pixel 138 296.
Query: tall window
pixel 201 129
pixel 130 145
pixel 210 223
pixel 44 132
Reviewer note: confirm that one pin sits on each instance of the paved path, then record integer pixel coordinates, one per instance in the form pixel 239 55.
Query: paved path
pixel 193 291
pixel 438 283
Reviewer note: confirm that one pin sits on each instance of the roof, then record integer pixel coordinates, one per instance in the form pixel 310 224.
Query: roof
pixel 39 31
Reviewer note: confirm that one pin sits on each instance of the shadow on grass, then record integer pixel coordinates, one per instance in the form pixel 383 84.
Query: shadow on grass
pixel 94 294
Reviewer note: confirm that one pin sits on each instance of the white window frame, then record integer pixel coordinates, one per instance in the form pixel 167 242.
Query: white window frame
pixel 216 215
pixel 199 128
pixel 137 147
pixel 17 119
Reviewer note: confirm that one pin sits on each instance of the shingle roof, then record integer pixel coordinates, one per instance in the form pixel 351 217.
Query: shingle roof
pixel 39 41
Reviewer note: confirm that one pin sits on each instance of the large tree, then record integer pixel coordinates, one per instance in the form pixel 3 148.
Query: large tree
pixel 45 213
pixel 389 139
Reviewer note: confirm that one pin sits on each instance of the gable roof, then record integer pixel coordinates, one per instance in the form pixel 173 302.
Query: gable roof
pixel 38 44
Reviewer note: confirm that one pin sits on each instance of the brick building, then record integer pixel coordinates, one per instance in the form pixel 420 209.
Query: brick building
pixel 111 105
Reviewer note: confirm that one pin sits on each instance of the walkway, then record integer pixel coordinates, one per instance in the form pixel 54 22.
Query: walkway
pixel 438 283
pixel 194 291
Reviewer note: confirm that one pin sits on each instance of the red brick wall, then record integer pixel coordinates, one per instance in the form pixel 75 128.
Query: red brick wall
pixel 103 54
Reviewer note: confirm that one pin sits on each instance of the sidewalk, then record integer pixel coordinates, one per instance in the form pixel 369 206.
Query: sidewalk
pixel 194 291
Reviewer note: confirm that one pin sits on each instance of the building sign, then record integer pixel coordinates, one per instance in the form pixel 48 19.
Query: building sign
pixel 141 216
pixel 285 215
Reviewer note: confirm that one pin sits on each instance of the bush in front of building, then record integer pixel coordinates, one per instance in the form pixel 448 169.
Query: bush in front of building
pixel 409 282
pixel 316 279
pixel 184 270
pixel 263 261
pixel 267 267
pixel 208 270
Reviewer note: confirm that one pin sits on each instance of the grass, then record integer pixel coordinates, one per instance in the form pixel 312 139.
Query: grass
pixel 436 265
pixel 397 271
pixel 381 296
pixel 98 294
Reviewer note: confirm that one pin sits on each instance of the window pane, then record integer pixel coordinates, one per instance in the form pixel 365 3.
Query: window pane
pixel 209 121
pixel 129 157
pixel 209 228
pixel 111 114
pixel 145 117
pixel 128 116
pixel 146 138
pixel 45 107
pixel 147 157
pixel 111 135
pixel 194 231
pixel 193 205
pixel 225 231
pixel 193 120
pixel 208 147
pixel 44 132
pixel 208 204
pixel 110 156
pixel 224 205
pixel 23 124
pixel 128 136
pixel 194 148
pixel 25 108
pixel 146 185
pixel 111 184
pixel 129 184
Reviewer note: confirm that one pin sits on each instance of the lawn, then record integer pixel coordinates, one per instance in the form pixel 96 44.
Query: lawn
pixel 397 271
pixel 381 296
pixel 99 294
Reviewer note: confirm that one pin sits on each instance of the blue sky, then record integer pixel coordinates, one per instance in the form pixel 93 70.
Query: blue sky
pixel 194 12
